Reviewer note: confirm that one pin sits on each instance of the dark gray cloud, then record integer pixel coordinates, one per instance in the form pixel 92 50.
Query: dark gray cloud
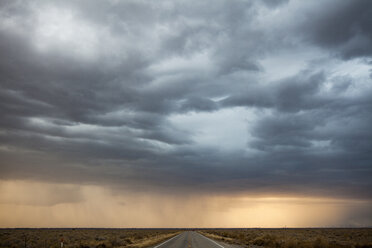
pixel 343 27
pixel 262 97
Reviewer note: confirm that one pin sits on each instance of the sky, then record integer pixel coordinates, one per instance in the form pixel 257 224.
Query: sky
pixel 185 113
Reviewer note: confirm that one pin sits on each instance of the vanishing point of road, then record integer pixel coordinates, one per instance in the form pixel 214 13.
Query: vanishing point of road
pixel 192 240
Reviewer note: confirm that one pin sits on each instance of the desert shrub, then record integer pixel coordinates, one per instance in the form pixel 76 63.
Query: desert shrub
pixel 138 236
pixel 363 246
pixel 259 241
pixel 114 242
pixel 266 240
pixel 320 242
pixel 241 236
pixel 292 243
pixel 250 237
pixel 128 241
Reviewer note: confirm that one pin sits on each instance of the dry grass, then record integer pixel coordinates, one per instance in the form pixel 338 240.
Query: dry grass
pixel 83 238
pixel 295 238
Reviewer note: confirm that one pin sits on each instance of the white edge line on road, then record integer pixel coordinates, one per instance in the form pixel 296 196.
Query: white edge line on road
pixel 212 241
pixel 167 240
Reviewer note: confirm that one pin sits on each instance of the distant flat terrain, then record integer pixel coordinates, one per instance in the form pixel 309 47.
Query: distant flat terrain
pixel 187 238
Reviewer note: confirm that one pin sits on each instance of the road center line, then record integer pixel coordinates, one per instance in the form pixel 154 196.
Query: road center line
pixel 167 241
pixel 211 240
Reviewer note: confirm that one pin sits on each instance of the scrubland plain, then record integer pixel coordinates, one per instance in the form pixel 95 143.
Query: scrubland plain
pixel 294 238
pixel 83 238
pixel 142 238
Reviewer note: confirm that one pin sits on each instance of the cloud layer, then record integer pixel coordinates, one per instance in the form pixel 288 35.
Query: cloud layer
pixel 270 97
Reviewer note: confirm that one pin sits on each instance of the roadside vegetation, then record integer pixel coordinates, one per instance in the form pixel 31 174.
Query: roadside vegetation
pixel 294 238
pixel 83 238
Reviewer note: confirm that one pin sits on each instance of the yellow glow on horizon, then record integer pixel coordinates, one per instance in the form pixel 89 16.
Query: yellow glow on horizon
pixel 39 204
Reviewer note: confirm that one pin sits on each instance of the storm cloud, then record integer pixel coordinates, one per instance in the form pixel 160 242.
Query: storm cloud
pixel 270 97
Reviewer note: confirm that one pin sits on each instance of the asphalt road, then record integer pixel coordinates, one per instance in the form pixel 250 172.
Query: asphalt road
pixel 191 240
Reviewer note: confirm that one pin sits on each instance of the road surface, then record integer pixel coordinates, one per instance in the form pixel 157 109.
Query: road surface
pixel 191 240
